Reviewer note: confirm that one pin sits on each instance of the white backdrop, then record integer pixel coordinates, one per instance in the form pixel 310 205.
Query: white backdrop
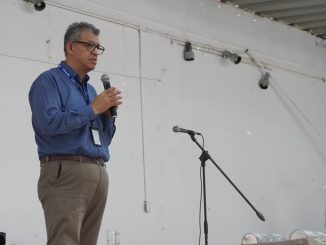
pixel 270 142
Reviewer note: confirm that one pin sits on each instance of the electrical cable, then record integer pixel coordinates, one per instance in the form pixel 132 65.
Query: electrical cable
pixel 262 70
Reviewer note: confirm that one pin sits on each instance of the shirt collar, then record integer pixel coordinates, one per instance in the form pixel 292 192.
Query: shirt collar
pixel 73 73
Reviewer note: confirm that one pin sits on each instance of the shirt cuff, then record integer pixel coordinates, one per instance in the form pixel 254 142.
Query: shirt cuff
pixel 88 113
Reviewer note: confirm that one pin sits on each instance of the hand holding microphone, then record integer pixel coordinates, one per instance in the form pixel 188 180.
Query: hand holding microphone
pixel 107 101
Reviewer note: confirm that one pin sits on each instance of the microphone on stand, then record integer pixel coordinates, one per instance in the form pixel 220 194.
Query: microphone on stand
pixel 106 84
pixel 176 129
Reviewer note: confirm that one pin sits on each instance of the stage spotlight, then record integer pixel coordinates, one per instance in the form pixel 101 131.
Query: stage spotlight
pixel 188 54
pixel 2 238
pixel 236 59
pixel 264 80
pixel 39 5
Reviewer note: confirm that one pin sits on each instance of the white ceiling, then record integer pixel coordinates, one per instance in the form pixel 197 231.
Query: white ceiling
pixel 308 15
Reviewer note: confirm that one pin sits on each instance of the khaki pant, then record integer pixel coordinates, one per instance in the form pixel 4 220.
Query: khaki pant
pixel 73 196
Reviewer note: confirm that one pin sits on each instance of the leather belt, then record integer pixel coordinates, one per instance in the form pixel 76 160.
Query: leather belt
pixel 77 158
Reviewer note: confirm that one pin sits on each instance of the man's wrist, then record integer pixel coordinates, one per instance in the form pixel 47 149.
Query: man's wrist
pixel 96 112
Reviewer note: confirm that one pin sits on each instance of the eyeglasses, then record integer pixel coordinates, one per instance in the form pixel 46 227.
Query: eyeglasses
pixel 92 46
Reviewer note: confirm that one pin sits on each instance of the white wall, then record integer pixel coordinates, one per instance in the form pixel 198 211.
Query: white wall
pixel 270 142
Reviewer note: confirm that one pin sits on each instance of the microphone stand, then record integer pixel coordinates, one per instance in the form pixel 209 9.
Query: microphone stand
pixel 203 158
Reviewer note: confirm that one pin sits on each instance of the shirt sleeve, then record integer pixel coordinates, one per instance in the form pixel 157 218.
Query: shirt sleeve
pixel 108 128
pixel 47 114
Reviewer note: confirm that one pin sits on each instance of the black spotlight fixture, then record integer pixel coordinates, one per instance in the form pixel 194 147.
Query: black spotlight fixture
pixel 188 54
pixel 236 59
pixel 2 238
pixel 264 80
pixel 39 5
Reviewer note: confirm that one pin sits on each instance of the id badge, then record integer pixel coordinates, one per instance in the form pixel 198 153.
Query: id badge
pixel 95 136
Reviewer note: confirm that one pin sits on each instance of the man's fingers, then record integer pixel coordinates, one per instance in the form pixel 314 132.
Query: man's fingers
pixel 112 90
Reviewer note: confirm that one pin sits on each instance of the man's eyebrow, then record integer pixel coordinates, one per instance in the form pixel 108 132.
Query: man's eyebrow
pixel 94 42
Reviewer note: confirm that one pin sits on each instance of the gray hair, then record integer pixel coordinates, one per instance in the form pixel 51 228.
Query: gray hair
pixel 75 29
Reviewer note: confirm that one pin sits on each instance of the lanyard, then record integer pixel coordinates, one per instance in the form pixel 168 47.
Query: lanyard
pixel 82 89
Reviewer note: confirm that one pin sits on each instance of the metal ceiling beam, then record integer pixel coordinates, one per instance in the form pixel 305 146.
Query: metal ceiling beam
pixel 242 2
pixel 283 4
pixel 304 18
pixel 314 24
pixel 279 14
pixel 319 30
pixel 308 15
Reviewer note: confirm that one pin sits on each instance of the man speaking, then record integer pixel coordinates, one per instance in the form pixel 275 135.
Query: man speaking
pixel 73 130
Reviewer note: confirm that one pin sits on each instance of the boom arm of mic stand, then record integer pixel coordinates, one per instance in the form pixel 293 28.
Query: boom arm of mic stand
pixel 260 216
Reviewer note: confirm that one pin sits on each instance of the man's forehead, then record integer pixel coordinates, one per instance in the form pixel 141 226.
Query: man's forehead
pixel 89 36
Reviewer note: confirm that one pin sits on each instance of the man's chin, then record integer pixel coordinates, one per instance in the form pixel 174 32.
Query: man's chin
pixel 91 67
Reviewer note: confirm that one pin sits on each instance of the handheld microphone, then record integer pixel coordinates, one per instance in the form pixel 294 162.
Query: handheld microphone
pixel 176 129
pixel 106 84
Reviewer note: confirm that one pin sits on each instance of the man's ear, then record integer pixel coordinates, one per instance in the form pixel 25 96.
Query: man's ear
pixel 69 47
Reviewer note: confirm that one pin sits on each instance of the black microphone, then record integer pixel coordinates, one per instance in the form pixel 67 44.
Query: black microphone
pixel 176 129
pixel 106 84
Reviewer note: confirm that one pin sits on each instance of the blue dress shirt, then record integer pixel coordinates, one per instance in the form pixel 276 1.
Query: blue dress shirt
pixel 62 116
